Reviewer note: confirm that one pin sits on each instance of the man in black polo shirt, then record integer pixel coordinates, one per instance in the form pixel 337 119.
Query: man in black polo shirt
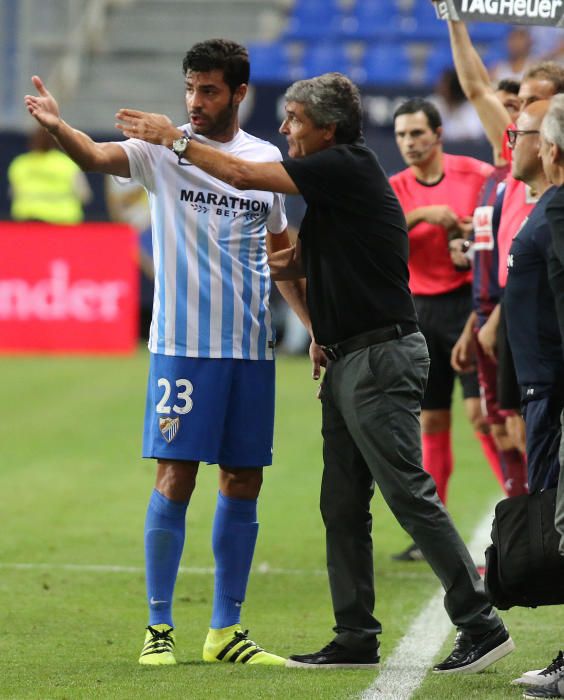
pixel 353 251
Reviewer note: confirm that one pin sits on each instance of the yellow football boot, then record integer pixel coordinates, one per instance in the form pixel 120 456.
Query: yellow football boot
pixel 231 644
pixel 158 649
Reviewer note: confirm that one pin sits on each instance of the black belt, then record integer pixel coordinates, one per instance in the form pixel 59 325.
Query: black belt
pixel 364 340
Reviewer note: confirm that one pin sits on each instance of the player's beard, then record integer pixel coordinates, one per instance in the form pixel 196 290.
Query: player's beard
pixel 222 122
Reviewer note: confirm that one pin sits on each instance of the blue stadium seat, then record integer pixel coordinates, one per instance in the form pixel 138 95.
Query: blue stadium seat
pixel 439 58
pixel 311 19
pixel 272 62
pixel 421 24
pixel 489 31
pixel 372 19
pixel 387 64
pixel 324 58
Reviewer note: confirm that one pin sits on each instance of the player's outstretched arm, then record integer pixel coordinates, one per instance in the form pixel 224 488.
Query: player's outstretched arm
pixel 241 174
pixel 477 87
pixel 86 153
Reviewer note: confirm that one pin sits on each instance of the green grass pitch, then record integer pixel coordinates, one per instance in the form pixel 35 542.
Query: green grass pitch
pixel 73 493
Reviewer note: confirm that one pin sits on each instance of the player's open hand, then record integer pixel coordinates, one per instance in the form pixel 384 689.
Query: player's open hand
pixel 43 107
pixel 463 355
pixel 318 359
pixel 148 126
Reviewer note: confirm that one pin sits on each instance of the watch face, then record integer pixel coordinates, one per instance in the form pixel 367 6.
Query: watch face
pixel 179 145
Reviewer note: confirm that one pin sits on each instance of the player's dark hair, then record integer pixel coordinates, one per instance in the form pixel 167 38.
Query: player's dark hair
pixel 328 99
pixel 418 104
pixel 547 70
pixel 220 54
pixel 509 85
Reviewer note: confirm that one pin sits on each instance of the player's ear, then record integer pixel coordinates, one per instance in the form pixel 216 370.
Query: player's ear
pixel 439 133
pixel 240 93
pixel 329 132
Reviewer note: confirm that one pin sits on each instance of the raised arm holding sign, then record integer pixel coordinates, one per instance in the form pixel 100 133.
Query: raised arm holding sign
pixel 549 13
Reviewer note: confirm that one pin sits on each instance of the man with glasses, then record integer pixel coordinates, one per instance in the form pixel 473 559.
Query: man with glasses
pixel 530 310
pixel 540 82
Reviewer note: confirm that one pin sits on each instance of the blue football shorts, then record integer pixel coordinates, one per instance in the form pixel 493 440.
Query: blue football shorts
pixel 219 411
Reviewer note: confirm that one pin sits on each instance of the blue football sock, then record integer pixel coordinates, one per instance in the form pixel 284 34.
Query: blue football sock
pixel 234 536
pixel 165 528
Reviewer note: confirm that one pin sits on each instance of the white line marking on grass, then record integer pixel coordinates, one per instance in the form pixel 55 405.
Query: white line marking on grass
pixel 261 569
pixel 110 568
pixel 411 660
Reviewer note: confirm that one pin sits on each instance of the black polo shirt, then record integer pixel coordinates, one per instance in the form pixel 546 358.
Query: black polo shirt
pixel 530 310
pixel 354 243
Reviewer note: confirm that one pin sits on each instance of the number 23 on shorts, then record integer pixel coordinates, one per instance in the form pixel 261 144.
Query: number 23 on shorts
pixel 182 401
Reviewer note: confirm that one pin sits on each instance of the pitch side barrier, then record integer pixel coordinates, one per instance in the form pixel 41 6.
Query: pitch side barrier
pixel 548 13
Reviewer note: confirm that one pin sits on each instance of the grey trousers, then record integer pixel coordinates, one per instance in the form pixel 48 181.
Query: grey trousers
pixel 371 433
pixel 559 515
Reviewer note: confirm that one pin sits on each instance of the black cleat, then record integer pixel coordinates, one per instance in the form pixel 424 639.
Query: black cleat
pixel 472 654
pixel 412 553
pixel 335 656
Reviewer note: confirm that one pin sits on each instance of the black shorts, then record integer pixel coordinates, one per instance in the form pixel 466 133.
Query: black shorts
pixel 508 392
pixel 441 319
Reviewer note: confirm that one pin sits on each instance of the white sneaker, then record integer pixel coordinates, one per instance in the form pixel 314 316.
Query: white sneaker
pixel 544 676
pixel 553 690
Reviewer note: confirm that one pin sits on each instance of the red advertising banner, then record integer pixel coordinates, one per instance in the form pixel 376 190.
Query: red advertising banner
pixel 68 288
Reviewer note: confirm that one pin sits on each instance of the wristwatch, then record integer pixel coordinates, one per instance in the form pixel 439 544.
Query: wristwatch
pixel 180 144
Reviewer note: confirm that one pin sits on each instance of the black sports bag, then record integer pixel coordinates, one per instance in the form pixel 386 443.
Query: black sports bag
pixel 523 566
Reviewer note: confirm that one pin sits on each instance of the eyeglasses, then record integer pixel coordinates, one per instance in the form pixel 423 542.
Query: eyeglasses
pixel 512 134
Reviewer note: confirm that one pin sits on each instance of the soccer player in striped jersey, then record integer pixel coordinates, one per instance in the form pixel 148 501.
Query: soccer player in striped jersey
pixel 210 394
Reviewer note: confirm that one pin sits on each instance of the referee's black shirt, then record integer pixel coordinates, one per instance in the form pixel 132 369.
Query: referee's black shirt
pixel 354 243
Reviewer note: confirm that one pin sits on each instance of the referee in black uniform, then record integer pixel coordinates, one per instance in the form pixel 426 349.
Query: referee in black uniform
pixel 353 251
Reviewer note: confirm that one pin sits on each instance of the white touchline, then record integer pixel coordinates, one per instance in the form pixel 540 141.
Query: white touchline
pixel 114 569
pixel 405 669
pixel 261 569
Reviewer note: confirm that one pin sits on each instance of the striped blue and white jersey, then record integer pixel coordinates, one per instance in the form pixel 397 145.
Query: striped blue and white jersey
pixel 212 281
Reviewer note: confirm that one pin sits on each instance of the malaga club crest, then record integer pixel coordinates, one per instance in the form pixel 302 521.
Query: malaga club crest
pixel 169 428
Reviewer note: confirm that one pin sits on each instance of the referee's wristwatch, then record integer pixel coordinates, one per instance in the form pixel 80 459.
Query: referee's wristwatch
pixel 180 145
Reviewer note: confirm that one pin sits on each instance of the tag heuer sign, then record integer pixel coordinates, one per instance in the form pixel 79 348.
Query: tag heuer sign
pixel 549 13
